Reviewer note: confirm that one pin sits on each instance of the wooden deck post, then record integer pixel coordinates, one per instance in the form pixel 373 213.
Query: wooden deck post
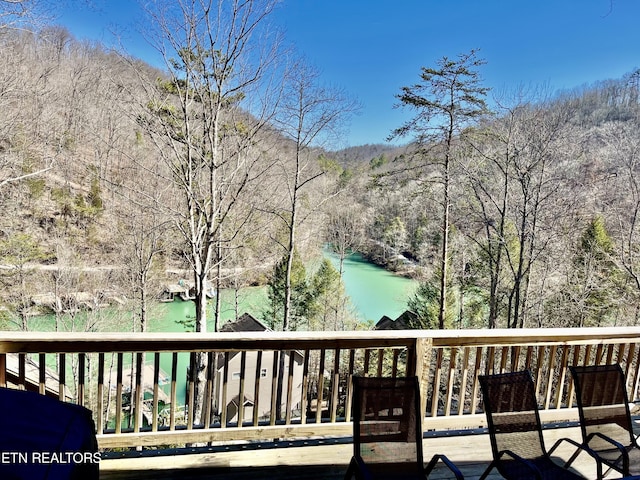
pixel 419 362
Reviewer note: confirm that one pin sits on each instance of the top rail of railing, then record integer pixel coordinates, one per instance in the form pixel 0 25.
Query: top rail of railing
pixel 74 342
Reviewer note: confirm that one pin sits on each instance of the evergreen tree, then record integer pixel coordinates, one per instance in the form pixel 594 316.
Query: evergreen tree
pixel 597 277
pixel 424 303
pixel 594 283
pixel 330 306
pixel 300 294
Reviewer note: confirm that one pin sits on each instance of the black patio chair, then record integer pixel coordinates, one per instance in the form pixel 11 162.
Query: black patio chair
pixel 387 431
pixel 515 430
pixel 605 419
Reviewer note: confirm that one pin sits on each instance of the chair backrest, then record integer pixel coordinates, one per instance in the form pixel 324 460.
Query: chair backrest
pixel 386 420
pixel 512 414
pixel 601 393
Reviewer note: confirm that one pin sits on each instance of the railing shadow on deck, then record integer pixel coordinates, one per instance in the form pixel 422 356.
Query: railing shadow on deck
pixel 256 387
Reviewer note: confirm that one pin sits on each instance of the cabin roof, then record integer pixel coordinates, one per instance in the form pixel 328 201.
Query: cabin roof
pixel 405 321
pixel 246 323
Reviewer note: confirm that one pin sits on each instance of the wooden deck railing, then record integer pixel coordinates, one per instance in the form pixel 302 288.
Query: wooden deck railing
pixel 260 386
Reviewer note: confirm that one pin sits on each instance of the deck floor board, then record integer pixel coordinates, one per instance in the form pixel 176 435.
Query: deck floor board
pixel 471 452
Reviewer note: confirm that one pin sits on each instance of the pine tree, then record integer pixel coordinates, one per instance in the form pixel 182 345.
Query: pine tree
pixel 330 308
pixel 596 274
pixel 446 100
pixel 424 303
pixel 300 294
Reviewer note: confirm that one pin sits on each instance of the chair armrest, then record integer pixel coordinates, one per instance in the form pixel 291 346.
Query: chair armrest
pixel 450 465
pixel 518 458
pixel 616 444
pixel 579 447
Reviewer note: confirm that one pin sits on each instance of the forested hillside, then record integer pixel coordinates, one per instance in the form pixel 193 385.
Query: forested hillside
pixel 545 193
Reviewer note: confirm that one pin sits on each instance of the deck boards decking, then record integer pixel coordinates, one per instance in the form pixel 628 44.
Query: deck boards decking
pixel 329 460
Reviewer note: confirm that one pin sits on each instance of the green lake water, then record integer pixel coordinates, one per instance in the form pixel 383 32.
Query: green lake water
pixel 374 291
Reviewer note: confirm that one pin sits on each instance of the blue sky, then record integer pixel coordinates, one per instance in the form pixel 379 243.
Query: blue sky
pixel 371 48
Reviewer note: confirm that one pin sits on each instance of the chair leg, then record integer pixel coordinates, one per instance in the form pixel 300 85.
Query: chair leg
pixel 450 465
pixel 485 474
pixel 351 470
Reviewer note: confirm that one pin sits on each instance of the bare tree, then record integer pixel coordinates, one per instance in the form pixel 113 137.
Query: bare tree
pixel 22 90
pixel 14 13
pixel 309 115
pixel 517 174
pixel 621 181
pixel 345 232
pixel 204 120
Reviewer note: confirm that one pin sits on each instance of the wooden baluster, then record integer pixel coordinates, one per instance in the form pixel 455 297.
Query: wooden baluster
pixel 636 377
pixel 504 355
pixel 100 423
pixel 610 350
pixel 450 380
pixel 119 393
pixel 394 365
pixel 463 384
pixel 577 349
pixel 208 392
pixel 62 375
pixel 225 386
pixel 562 376
pixel 191 388
pixel 335 385
pixel 515 358
pixel 274 388
pixel 81 378
pixel 367 357
pixel 622 349
pixel 436 384
pixel 305 388
pixel 549 376
pixel 599 351
pixel 529 358
pixel 475 396
pixel 290 387
pixel 538 375
pixel 587 355
pixel 155 413
pixel 241 395
pixel 3 370
pixel 380 362
pixel 137 413
pixel 491 351
pixel 21 371
pixel 256 389
pixel 174 396
pixel 320 393
pixel 349 399
pixel 42 371
pixel 631 351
